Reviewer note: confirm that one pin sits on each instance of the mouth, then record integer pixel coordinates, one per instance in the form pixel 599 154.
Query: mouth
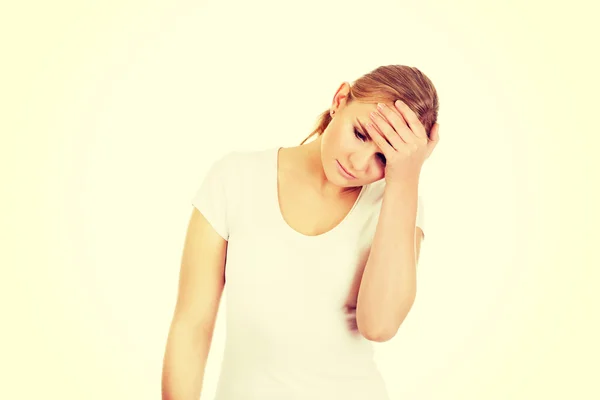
pixel 344 171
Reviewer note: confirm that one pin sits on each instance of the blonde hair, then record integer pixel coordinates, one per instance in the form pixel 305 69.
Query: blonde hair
pixel 389 83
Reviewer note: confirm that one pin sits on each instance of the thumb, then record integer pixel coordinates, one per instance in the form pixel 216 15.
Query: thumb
pixel 434 136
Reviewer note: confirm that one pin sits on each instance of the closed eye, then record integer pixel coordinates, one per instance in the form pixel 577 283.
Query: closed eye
pixel 364 138
pixel 360 136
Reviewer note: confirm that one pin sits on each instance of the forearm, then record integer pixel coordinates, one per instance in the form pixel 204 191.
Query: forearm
pixel 388 286
pixel 184 363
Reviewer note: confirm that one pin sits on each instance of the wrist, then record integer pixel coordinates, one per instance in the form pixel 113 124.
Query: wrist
pixel 403 183
pixel 401 191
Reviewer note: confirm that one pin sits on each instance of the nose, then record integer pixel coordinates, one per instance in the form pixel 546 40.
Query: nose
pixel 360 161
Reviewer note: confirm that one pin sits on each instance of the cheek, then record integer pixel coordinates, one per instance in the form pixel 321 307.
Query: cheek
pixel 381 172
pixel 345 141
pixel 377 172
pixel 335 141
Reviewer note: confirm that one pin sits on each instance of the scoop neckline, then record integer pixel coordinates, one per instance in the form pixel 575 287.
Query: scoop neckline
pixel 291 231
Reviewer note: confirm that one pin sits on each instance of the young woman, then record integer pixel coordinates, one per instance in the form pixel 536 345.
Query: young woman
pixel 317 245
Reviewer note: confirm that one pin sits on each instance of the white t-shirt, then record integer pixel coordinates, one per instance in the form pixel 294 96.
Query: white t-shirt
pixel 287 335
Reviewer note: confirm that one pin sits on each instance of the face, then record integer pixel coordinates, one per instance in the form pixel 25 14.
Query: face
pixel 346 144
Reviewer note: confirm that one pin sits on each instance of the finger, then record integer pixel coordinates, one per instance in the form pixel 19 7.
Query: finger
pixel 387 130
pixel 352 325
pixel 411 119
pixel 381 142
pixel 396 120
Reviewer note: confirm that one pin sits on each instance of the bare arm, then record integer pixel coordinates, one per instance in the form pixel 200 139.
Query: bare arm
pixel 388 287
pixel 201 282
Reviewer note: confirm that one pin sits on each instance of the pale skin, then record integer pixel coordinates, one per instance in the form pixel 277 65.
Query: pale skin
pixel 314 196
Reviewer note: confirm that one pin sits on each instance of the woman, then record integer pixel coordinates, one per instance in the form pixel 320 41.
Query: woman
pixel 318 245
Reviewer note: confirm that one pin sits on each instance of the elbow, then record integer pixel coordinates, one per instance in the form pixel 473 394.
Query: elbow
pixel 375 333
pixel 384 327
pixel 378 336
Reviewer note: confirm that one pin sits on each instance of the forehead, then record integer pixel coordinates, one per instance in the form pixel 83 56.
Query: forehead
pixel 359 106
pixel 360 111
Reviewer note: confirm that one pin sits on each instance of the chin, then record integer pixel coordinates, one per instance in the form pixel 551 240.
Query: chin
pixel 334 178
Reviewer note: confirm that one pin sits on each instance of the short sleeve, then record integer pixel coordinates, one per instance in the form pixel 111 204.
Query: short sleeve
pixel 421 215
pixel 211 197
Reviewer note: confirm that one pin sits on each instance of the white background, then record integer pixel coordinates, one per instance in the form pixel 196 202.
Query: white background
pixel 112 113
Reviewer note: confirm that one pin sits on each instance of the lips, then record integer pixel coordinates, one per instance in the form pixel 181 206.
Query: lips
pixel 345 170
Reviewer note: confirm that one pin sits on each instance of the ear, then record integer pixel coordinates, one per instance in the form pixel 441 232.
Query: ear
pixel 341 96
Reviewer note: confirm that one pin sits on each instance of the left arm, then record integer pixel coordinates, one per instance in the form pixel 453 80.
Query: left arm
pixel 388 286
